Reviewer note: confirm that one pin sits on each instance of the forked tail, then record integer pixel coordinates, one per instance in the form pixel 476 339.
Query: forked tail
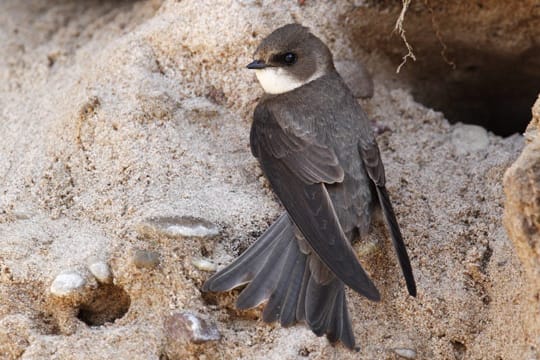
pixel 276 269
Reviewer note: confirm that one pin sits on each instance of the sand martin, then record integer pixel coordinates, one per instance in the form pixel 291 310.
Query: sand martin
pixel 316 147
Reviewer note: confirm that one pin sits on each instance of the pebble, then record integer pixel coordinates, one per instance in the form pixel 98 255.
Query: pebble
pixel 357 78
pixel 67 284
pixel 22 215
pixel 469 138
pixel 203 264
pixel 201 106
pixel 186 326
pixel 250 2
pixel 145 259
pixel 101 271
pixel 179 226
pixel 405 353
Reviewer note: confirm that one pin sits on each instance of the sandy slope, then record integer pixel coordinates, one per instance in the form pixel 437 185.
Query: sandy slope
pixel 114 113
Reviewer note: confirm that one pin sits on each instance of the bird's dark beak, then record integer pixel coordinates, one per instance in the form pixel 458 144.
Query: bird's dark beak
pixel 257 64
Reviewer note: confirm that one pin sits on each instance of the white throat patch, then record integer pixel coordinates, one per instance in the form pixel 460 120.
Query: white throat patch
pixel 276 80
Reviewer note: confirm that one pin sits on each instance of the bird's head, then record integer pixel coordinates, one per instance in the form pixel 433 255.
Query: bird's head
pixel 290 57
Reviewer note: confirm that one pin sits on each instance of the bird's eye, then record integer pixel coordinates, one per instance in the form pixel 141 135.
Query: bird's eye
pixel 289 58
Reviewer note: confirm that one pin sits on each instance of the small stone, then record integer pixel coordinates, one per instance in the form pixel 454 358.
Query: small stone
pixel 190 231
pixel 469 138
pixel 201 106
pixel 188 327
pixel 22 215
pixel 101 272
pixel 356 77
pixel 405 353
pixel 178 227
pixel 203 264
pixel 249 2
pixel 67 284
pixel 145 259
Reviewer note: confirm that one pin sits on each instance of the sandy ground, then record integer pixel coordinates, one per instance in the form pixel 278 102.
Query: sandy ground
pixel 112 114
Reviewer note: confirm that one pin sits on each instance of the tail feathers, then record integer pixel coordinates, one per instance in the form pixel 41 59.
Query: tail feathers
pixel 247 265
pixel 278 271
pixel 266 282
pixel 283 301
pixel 326 311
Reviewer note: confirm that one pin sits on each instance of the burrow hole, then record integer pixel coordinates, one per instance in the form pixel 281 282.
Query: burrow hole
pixel 478 62
pixel 495 91
pixel 110 303
pixel 459 349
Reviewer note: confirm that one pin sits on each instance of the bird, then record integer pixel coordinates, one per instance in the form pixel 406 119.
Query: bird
pixel 316 147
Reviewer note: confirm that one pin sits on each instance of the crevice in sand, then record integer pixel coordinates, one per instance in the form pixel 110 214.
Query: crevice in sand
pixel 477 63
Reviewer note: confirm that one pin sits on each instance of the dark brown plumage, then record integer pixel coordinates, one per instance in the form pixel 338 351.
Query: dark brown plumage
pixel 315 146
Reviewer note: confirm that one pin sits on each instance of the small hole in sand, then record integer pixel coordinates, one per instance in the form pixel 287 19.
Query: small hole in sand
pixel 459 349
pixel 111 302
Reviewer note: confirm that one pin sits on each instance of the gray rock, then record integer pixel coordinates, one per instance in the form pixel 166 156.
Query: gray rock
pixel 145 259
pixel 187 327
pixel 469 138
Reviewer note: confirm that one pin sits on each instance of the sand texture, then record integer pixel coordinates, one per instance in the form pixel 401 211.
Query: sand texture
pixel 126 179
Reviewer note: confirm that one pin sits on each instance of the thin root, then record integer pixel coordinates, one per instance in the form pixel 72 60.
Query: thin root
pixel 401 31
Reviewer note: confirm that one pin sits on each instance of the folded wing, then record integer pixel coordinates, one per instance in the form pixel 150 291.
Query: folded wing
pixel 298 167
pixel 369 152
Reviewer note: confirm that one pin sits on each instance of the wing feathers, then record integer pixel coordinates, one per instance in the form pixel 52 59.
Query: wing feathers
pixel 311 210
pixel 298 166
pixel 307 159
pixel 246 266
pixel 375 169
pixel 397 239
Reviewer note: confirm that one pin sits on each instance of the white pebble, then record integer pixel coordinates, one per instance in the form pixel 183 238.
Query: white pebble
pixel 101 272
pixel 405 353
pixel 178 227
pixel 190 231
pixel 469 138
pixel 203 264
pixel 67 283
